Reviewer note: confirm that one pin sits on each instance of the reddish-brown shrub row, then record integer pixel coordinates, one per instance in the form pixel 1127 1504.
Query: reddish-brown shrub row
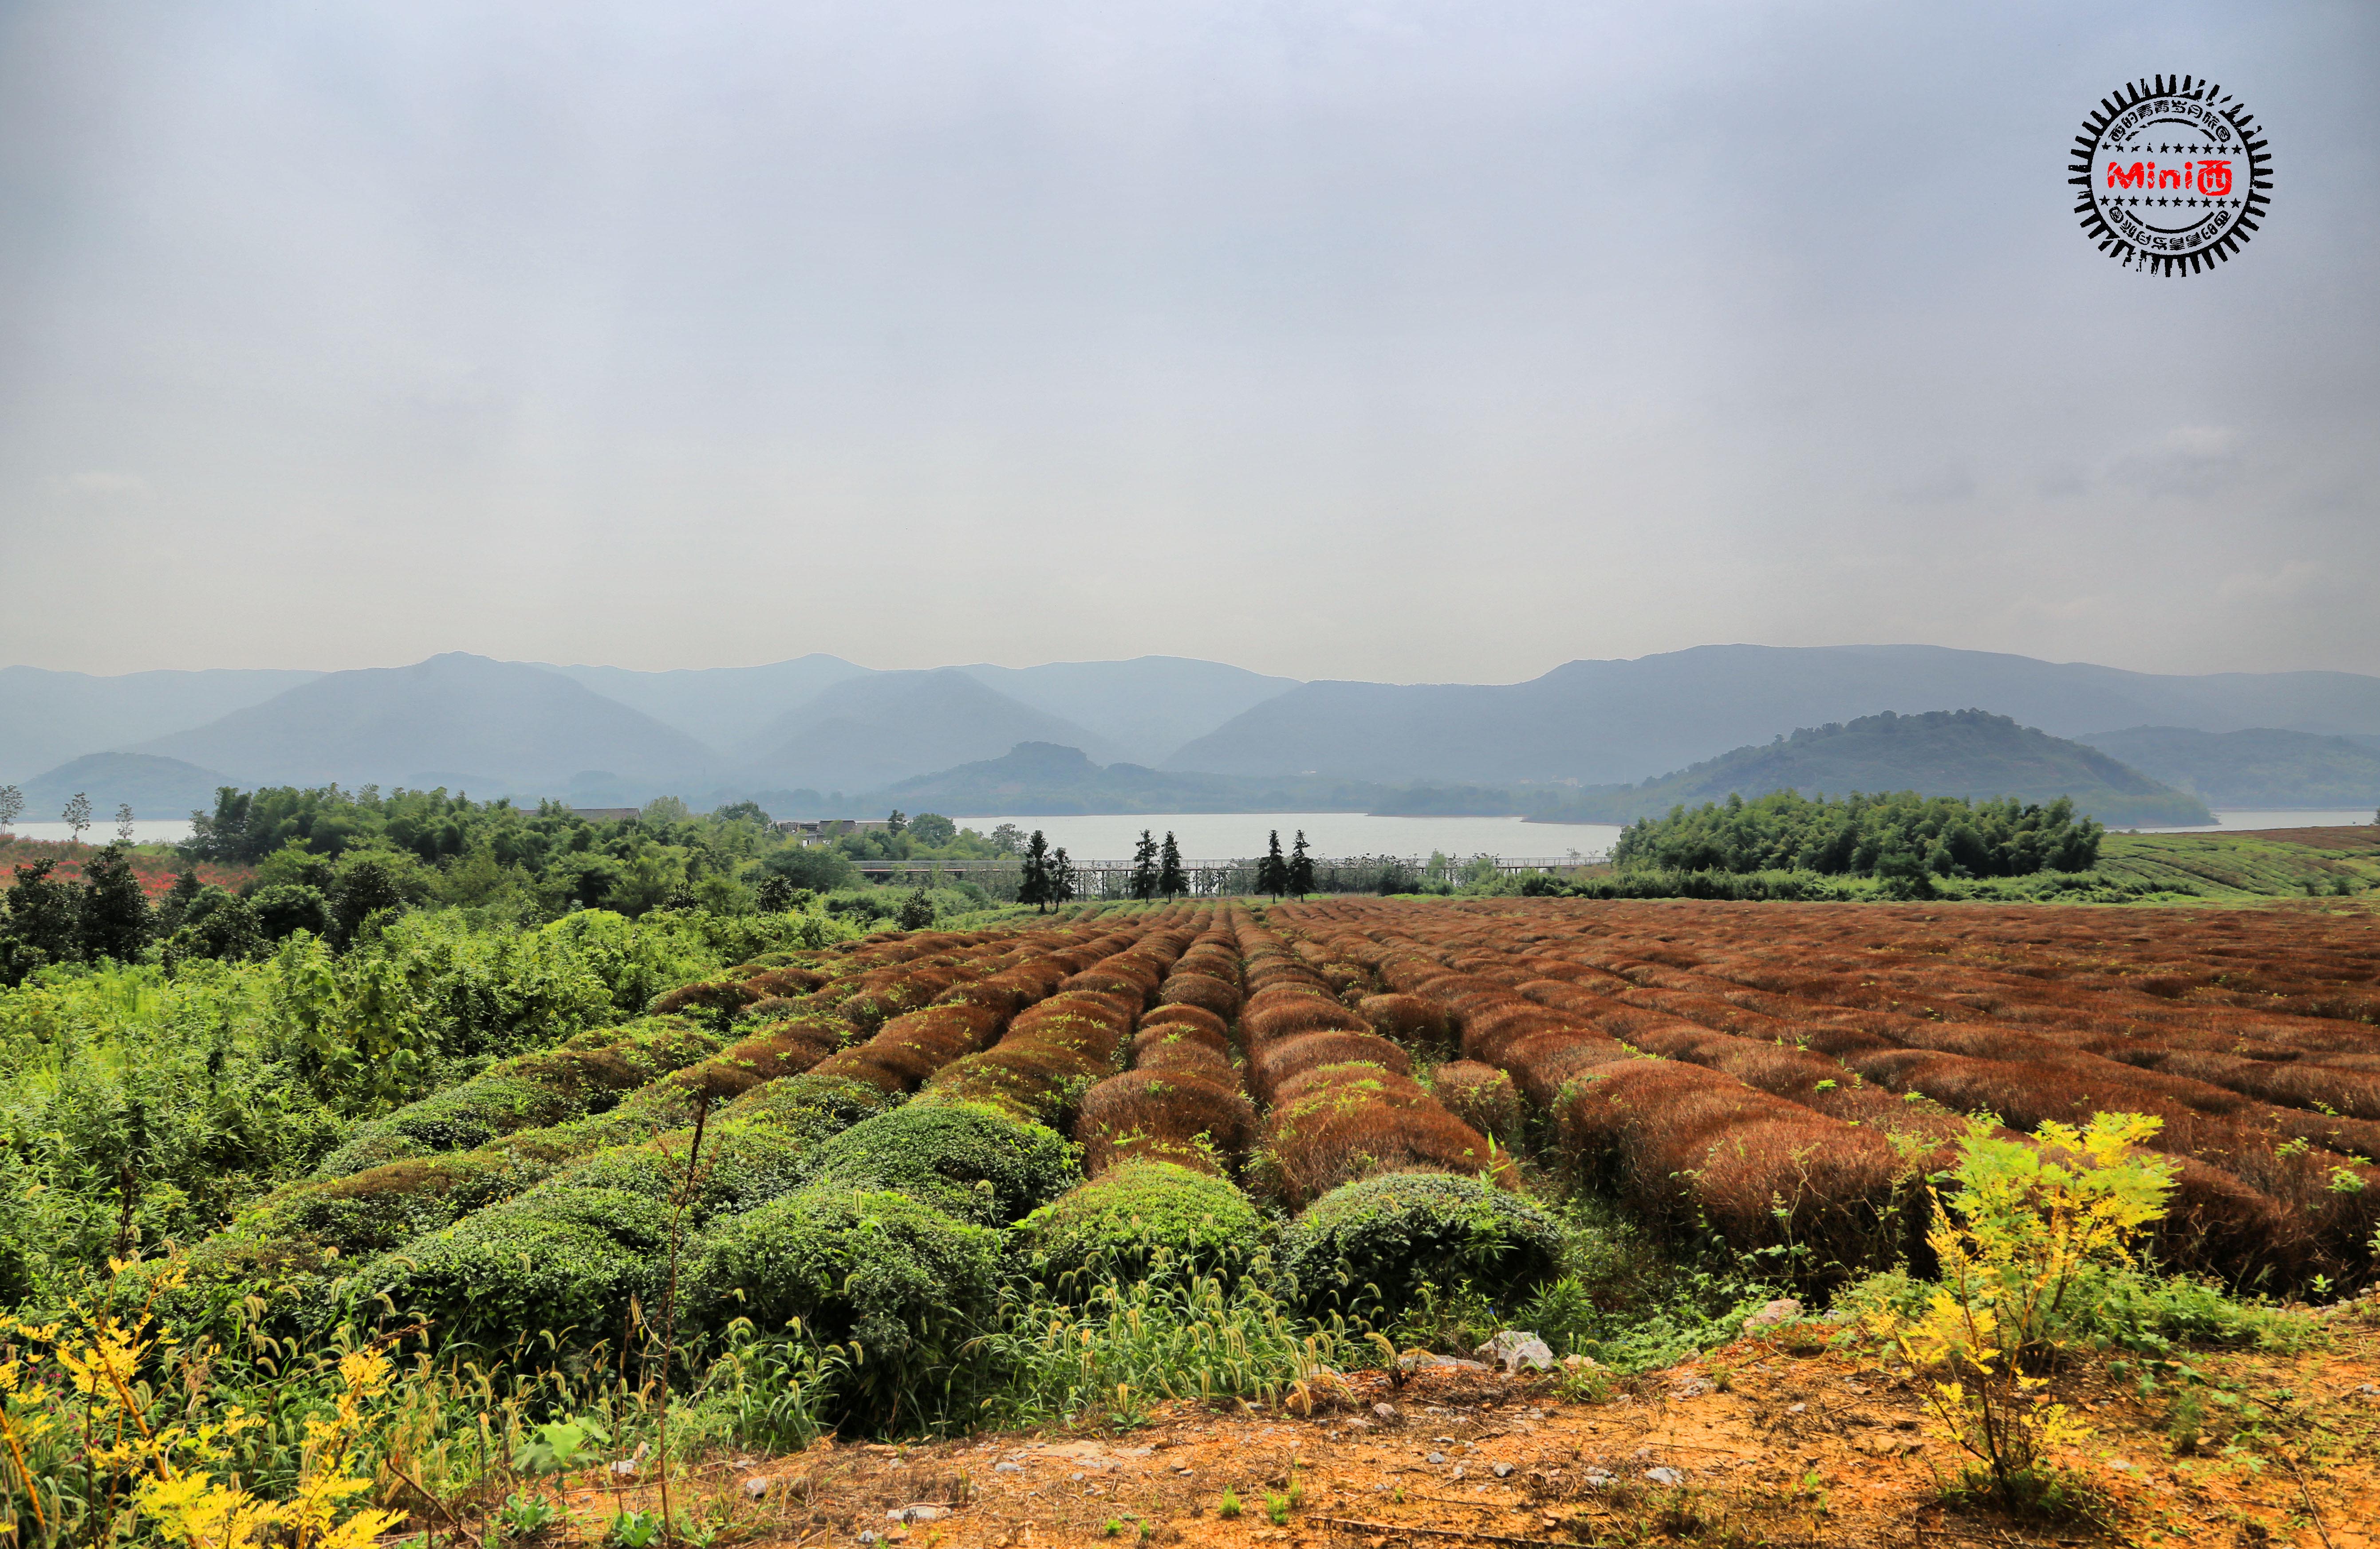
pixel 901 1052
pixel 1343 1103
pixel 1408 1019
pixel 1054 1050
pixel 1175 1033
pixel 1481 1095
pixel 1181 1102
pixel 1337 1123
pixel 2249 1040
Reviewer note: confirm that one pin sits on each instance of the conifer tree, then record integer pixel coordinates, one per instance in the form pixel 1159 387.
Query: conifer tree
pixel 1033 888
pixel 39 920
pixel 1169 879
pixel 115 909
pixel 185 891
pixel 1301 867
pixel 1272 872
pixel 1062 877
pixel 1144 868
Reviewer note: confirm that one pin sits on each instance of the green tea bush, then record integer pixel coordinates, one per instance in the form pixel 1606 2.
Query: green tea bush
pixel 562 1257
pixel 748 1158
pixel 385 1206
pixel 588 1075
pixel 966 1160
pixel 1397 1231
pixel 905 1284
pixel 1134 1215
pixel 821 1105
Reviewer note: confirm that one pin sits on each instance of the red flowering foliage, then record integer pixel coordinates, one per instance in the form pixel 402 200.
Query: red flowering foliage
pixel 155 867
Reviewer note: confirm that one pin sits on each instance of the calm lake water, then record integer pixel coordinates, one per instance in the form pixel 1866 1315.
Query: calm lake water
pixel 1219 836
pixel 161 830
pixel 1213 836
pixel 2245 818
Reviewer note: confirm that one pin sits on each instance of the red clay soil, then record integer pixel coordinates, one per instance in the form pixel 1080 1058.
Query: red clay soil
pixel 1752 1444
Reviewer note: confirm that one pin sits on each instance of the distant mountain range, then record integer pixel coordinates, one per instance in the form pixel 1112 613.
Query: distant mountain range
pixel 1941 753
pixel 1044 780
pixel 1602 722
pixel 610 736
pixel 47 717
pixel 461 722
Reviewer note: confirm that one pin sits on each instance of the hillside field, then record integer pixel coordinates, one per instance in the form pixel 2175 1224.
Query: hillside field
pixel 1120 1222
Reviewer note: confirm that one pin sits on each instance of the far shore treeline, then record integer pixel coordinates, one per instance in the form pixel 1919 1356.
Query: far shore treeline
pixel 263 867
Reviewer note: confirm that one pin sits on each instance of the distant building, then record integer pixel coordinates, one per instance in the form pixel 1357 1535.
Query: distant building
pixel 821 831
pixel 606 814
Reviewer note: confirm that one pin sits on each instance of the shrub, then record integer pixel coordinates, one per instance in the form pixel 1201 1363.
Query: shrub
pixel 1195 1016
pixel 966 1160
pixel 1399 1230
pixel 821 1104
pixel 906 1284
pixel 1185 1053
pixel 2031 1237
pixel 1036 1080
pixel 559 1258
pixel 383 1207
pixel 1481 1095
pixel 587 1074
pixel 1194 1116
pixel 1340 1122
pixel 1408 1019
pixel 907 1049
pixel 1153 1038
pixel 1266 1019
pixel 1139 1217
pixel 1109 977
pixel 715 1000
pixel 1197 990
pixel 751 1151
pixel 1276 1063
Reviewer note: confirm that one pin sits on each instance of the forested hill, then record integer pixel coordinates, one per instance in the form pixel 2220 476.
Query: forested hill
pixel 1046 780
pixel 2257 768
pixel 1938 752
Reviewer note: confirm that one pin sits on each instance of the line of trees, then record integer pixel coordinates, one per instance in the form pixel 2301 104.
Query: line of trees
pixel 1048 880
pixel 1898 836
pixel 1157 870
pixel 1293 873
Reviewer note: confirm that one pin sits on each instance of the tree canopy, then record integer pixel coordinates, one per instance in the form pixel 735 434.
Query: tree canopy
pixel 1900 834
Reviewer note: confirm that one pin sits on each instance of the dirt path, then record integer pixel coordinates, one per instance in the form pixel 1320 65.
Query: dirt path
pixel 1752 1444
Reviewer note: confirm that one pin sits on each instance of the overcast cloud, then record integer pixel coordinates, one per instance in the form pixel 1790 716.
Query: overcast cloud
pixel 1405 341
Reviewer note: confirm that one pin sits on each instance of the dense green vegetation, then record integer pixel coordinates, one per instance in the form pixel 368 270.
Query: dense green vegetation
pixel 1903 836
pixel 327 862
pixel 2319 863
pixel 429 845
pixel 147 1101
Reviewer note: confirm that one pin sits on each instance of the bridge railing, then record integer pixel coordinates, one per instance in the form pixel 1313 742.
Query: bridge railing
pixel 1112 879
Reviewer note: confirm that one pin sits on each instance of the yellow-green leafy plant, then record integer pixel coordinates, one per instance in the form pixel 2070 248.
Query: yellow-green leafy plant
pixel 105 1428
pixel 2029 1236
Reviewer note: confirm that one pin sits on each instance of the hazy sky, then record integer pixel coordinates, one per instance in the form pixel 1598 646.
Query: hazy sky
pixel 1408 341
